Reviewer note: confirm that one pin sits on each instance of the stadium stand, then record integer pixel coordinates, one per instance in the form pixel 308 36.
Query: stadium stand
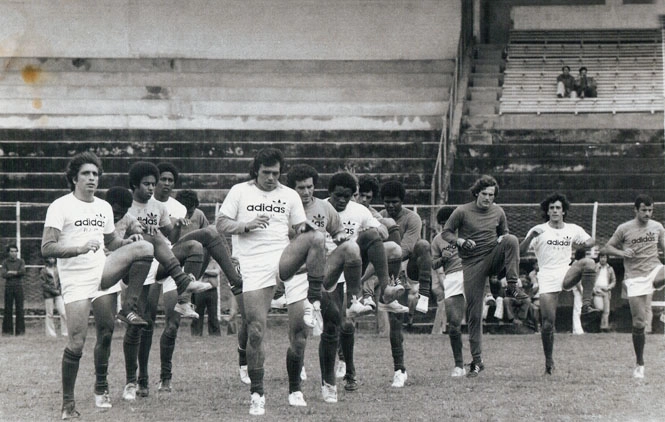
pixel 626 64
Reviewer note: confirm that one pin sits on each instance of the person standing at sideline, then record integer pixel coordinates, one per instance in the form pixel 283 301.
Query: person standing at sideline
pixel 52 298
pixel 13 270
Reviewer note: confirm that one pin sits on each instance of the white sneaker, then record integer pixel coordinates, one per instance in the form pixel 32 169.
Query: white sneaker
pixel 103 401
pixel 357 308
pixel 129 393
pixel 258 405
pixel 423 304
pixel 296 399
pixel 329 393
pixel 638 372
pixel 308 314
pixel 458 372
pixel 197 286
pixel 399 379
pixel 393 292
pixel 303 374
pixel 498 312
pixel 186 310
pixel 313 318
pixel 244 375
pixel 369 301
pixel 279 303
pixel 393 307
pixel 340 370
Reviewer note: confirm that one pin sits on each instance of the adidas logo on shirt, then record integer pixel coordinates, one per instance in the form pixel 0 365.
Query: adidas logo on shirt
pixel 96 221
pixel 649 237
pixel 276 206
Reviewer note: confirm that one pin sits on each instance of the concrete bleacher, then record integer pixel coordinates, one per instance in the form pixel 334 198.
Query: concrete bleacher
pixel 626 64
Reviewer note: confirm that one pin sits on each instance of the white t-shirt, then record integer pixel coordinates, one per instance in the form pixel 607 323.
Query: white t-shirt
pixel 152 213
pixel 79 222
pixel 554 248
pixel 245 201
pixel 176 209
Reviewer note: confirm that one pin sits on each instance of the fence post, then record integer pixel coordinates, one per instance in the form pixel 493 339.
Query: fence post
pixel 18 227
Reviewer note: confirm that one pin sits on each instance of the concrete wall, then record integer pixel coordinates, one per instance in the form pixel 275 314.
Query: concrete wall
pixel 613 15
pixel 231 29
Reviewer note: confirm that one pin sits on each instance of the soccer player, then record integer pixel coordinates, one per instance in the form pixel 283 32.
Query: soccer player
pixel 361 227
pixel 446 261
pixel 637 242
pixel 553 243
pixel 480 231
pixel 415 250
pixel 77 227
pixel 259 213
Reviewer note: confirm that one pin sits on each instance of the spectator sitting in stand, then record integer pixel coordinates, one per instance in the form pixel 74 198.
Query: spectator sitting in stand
pixel 565 84
pixel 585 85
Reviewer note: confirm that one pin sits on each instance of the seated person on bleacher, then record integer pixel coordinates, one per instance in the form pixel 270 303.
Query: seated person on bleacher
pixel 565 83
pixel 516 311
pixel 585 85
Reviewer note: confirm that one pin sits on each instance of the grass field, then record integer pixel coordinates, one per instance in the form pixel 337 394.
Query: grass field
pixel 592 381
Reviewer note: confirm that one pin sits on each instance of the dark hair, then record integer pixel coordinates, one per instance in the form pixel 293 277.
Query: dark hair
pixel 139 170
pixel 393 188
pixel 444 214
pixel 266 157
pixel 643 199
pixel 545 205
pixel 301 172
pixel 12 246
pixel 565 67
pixel 164 167
pixel 75 164
pixel 188 198
pixel 119 195
pixel 369 183
pixel 343 179
pixel 483 182
pixel 583 68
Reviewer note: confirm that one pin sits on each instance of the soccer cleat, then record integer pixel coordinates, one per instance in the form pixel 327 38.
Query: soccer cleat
pixel 350 383
pixel 329 393
pixel 423 304
pixel 340 370
pixel 489 300
pixel 279 303
pixel 296 399
pixel 515 292
pixel 103 401
pixel 458 372
pixel 587 309
pixel 303 374
pixel 129 393
pixel 164 386
pixel 244 375
pixel 399 379
pixel 475 369
pixel 638 372
pixel 143 389
pixel 69 411
pixel 392 292
pixel 131 318
pixel 393 307
pixel 549 370
pixel 197 286
pixel 318 320
pixel 369 301
pixel 257 406
pixel 357 308
pixel 186 310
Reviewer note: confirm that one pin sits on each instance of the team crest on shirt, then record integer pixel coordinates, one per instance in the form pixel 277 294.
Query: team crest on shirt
pixel 349 227
pixel 150 219
pixel 276 206
pixel 649 237
pixel 566 241
pixel 91 224
pixel 319 220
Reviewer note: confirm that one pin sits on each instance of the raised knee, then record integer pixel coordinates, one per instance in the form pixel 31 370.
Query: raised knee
pixel 351 251
pixel 143 248
pixel 421 247
pixel 348 326
pixel 393 250
pixel 511 240
pixel 588 265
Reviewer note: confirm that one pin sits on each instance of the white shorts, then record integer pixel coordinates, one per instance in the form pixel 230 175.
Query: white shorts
pixel 168 284
pixel 295 289
pixel 259 272
pixel 640 286
pixel 453 284
pixel 150 279
pixel 552 281
pixel 117 287
pixel 81 285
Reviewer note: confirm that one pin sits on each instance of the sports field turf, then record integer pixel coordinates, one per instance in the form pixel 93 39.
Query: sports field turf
pixel 593 381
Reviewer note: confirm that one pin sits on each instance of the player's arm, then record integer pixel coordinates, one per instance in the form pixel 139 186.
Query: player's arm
pixel 524 245
pixel 613 247
pixel 52 248
pixel 226 224
pixel 411 236
pixel 112 241
pixel 450 231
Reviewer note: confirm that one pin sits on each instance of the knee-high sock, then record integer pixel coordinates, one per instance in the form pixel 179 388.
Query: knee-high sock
pixel 70 369
pixel 394 267
pixel 314 290
pixel 293 368
pixel 588 282
pixel 396 342
pixel 166 347
pixel 256 377
pixel 130 347
pixel 193 265
pixel 138 272
pixel 242 357
pixel 102 353
pixel 352 275
pixel 424 276
pixel 638 344
pixel 218 249
pixel 327 350
pixel 347 339
pixel 547 337
pixel 144 351
pixel 456 346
